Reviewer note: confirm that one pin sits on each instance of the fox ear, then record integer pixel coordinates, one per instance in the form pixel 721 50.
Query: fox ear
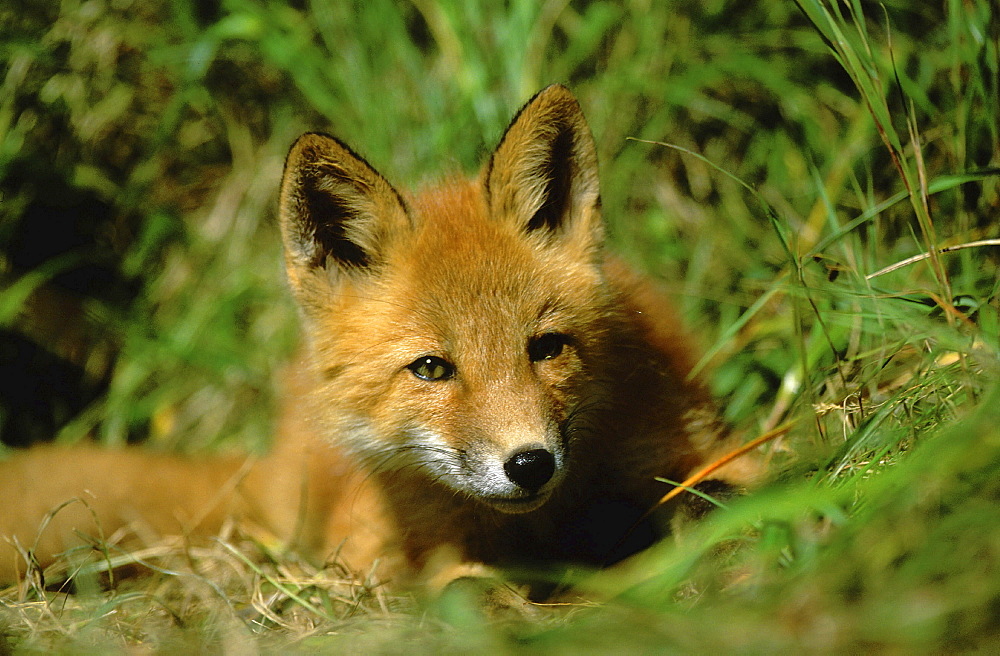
pixel 336 210
pixel 543 175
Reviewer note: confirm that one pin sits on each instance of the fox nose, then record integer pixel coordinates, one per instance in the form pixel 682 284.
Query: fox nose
pixel 530 469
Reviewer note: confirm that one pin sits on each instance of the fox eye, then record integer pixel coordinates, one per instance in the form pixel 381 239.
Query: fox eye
pixel 546 346
pixel 432 368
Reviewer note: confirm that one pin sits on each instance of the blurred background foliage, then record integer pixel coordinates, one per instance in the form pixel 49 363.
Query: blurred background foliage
pixel 803 147
pixel 140 144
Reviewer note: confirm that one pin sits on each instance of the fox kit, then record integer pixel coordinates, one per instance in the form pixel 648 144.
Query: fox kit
pixel 481 386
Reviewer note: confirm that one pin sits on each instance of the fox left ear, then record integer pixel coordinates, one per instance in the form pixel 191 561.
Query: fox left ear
pixel 337 213
pixel 543 175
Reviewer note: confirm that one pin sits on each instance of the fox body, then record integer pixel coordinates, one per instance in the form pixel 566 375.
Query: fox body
pixel 481 385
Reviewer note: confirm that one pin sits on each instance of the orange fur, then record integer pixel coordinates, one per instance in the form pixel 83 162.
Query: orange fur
pixel 481 385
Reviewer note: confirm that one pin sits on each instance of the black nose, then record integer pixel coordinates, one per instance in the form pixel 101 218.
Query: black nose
pixel 530 469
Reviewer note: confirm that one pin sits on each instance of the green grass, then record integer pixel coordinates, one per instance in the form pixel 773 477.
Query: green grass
pixel 800 149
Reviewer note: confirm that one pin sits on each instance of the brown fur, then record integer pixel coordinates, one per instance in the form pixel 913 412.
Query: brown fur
pixel 382 464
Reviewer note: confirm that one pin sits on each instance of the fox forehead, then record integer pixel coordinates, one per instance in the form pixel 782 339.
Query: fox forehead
pixel 458 283
pixel 464 266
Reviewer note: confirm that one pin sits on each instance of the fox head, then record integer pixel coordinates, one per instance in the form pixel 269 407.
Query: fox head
pixel 458 332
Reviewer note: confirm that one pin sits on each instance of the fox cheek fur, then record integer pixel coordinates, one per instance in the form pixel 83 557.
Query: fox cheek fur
pixel 466 362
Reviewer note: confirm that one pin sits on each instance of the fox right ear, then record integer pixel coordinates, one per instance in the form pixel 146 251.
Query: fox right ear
pixel 336 210
pixel 543 175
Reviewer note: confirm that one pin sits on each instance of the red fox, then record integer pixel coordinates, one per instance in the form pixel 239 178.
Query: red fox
pixel 481 385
